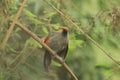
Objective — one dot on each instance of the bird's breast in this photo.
(58, 43)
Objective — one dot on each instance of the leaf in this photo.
(56, 26)
(17, 29)
(45, 30)
(32, 42)
(56, 63)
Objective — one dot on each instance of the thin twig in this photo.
(12, 25)
(40, 41)
(70, 22)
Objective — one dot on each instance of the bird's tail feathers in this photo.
(47, 61)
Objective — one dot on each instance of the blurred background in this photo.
(22, 58)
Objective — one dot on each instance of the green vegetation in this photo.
(22, 58)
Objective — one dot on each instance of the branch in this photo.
(70, 22)
(40, 41)
(12, 25)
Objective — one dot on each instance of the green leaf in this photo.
(56, 63)
(45, 30)
(32, 42)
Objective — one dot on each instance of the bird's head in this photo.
(64, 30)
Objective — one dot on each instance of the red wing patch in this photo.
(47, 40)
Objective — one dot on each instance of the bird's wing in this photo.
(63, 53)
(47, 39)
(47, 56)
(47, 60)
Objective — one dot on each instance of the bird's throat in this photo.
(65, 33)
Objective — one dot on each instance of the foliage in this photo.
(22, 58)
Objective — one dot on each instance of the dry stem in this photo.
(12, 25)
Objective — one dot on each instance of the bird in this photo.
(58, 42)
